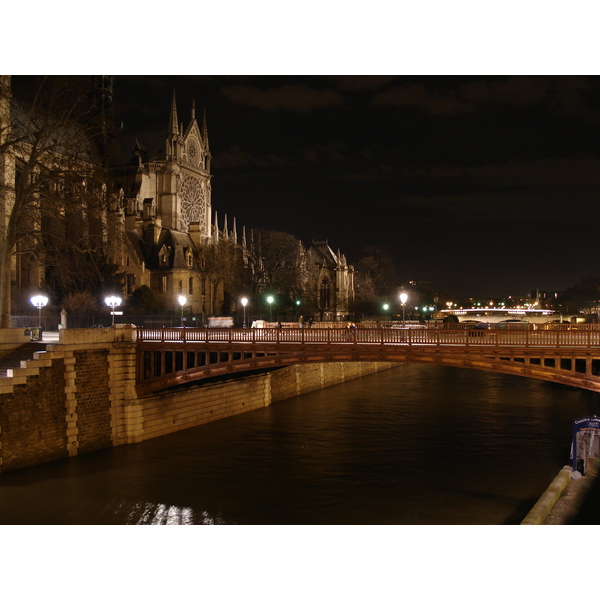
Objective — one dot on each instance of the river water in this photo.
(414, 445)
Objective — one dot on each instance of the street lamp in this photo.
(112, 302)
(403, 299)
(39, 302)
(244, 302)
(182, 301)
(270, 301)
(385, 309)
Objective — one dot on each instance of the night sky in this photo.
(481, 185)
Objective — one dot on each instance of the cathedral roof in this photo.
(320, 253)
(133, 240)
(170, 250)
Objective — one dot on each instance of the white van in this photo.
(220, 321)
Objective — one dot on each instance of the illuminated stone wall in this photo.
(93, 400)
(32, 418)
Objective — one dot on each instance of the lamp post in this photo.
(403, 299)
(39, 302)
(182, 301)
(385, 309)
(244, 302)
(270, 301)
(112, 302)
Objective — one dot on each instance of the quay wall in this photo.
(79, 396)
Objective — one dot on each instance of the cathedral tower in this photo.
(186, 197)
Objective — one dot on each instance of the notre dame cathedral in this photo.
(163, 217)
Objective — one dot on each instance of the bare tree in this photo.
(275, 261)
(221, 264)
(51, 185)
(376, 279)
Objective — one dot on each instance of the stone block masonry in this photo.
(32, 419)
(80, 396)
(93, 400)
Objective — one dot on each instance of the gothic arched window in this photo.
(325, 295)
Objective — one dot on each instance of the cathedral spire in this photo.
(173, 145)
(205, 133)
(173, 121)
(216, 228)
(193, 109)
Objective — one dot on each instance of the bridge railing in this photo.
(437, 336)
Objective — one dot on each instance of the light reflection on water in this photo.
(414, 445)
(160, 514)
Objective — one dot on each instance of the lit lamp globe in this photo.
(112, 302)
(403, 299)
(244, 302)
(39, 302)
(182, 300)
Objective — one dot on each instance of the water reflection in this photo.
(160, 514)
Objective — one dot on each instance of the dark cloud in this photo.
(416, 95)
(564, 95)
(294, 98)
(360, 83)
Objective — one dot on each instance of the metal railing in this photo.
(532, 336)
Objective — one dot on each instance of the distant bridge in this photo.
(565, 354)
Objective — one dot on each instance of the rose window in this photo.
(192, 202)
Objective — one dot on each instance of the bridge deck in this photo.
(171, 356)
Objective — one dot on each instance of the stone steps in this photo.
(16, 357)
